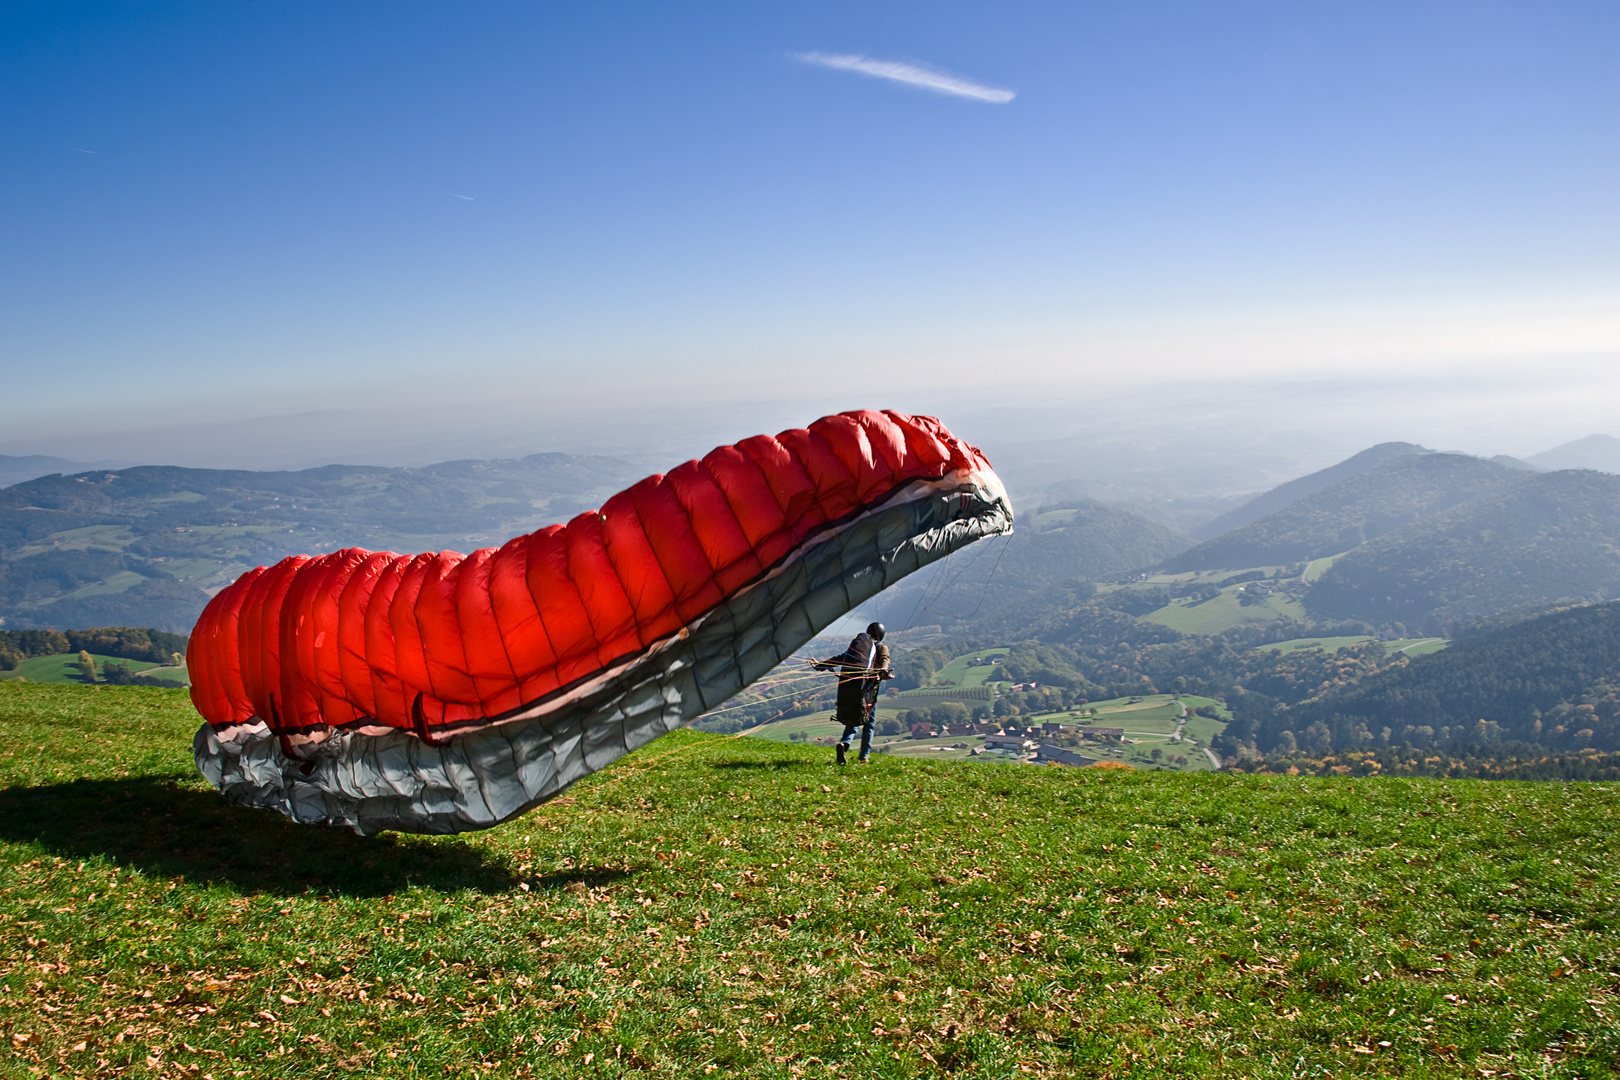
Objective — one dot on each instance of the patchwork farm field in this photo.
(735, 906)
(1155, 722)
(64, 668)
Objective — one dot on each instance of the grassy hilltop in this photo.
(714, 906)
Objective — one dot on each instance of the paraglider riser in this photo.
(479, 779)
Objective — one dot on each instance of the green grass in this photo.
(103, 537)
(64, 668)
(1224, 612)
(716, 907)
(1417, 646)
(959, 673)
(1318, 567)
(123, 581)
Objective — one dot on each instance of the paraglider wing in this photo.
(440, 692)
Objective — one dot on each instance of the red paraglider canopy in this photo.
(440, 645)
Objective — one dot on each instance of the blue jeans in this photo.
(866, 736)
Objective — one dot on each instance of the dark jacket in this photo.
(858, 677)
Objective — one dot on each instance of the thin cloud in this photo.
(910, 74)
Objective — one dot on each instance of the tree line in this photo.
(126, 642)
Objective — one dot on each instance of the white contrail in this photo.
(469, 198)
(910, 74)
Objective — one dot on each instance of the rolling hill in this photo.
(1552, 681)
(1601, 452)
(16, 470)
(1551, 537)
(1285, 495)
(1352, 511)
(1007, 587)
(147, 546)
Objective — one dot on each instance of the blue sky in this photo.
(438, 213)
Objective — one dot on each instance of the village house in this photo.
(1101, 732)
(1057, 755)
(1016, 744)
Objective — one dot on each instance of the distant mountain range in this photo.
(147, 546)
(1420, 540)
(1342, 514)
(15, 470)
(1601, 452)
(1285, 495)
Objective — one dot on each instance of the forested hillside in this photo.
(147, 546)
(1351, 512)
(1550, 538)
(1011, 588)
(1284, 495)
(15, 470)
(1552, 681)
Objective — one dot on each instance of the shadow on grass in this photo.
(762, 765)
(582, 879)
(162, 828)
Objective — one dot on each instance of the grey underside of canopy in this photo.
(473, 781)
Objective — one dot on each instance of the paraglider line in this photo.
(924, 595)
(992, 576)
(978, 557)
(764, 699)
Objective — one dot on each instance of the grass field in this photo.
(1409, 646)
(963, 673)
(1223, 612)
(714, 906)
(1417, 646)
(1318, 567)
(64, 668)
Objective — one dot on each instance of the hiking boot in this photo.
(862, 760)
(843, 748)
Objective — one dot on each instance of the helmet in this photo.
(875, 631)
